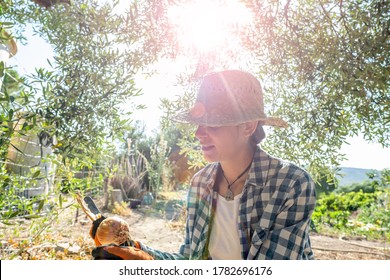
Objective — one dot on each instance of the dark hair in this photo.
(259, 134)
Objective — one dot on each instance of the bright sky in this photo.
(360, 154)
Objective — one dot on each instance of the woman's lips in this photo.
(207, 148)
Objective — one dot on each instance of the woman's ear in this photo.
(249, 128)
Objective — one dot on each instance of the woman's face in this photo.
(221, 143)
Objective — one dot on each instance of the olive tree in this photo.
(98, 49)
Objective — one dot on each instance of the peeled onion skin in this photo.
(113, 230)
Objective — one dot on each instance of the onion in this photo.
(113, 230)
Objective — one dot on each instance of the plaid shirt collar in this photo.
(257, 175)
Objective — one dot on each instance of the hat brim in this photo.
(188, 118)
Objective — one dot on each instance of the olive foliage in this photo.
(98, 49)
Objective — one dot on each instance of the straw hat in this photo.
(229, 98)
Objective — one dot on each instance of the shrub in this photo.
(335, 209)
(378, 213)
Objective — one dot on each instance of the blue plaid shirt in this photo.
(275, 211)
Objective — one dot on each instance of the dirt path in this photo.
(331, 248)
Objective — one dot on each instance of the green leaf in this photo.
(7, 223)
(36, 174)
(41, 204)
(16, 148)
(2, 68)
(60, 200)
(13, 214)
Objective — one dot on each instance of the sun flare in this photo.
(206, 25)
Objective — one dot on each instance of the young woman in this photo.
(245, 204)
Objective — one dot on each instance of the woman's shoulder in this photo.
(202, 182)
(207, 173)
(284, 168)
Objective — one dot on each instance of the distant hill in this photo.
(352, 175)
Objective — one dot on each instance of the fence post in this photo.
(116, 196)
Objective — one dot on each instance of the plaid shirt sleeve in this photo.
(280, 222)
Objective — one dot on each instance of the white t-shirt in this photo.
(224, 241)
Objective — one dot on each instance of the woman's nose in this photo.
(200, 132)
